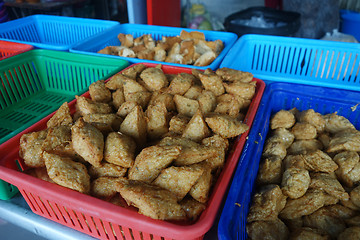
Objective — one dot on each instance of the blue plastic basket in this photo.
(277, 96)
(109, 38)
(297, 60)
(52, 32)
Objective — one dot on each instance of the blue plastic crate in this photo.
(109, 38)
(277, 96)
(52, 32)
(297, 60)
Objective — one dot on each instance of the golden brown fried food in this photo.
(282, 119)
(104, 187)
(88, 142)
(195, 154)
(126, 108)
(207, 101)
(341, 211)
(197, 128)
(241, 89)
(154, 78)
(58, 141)
(67, 173)
(31, 148)
(304, 146)
(126, 40)
(221, 145)
(192, 208)
(107, 170)
(39, 172)
(354, 221)
(179, 180)
(120, 150)
(266, 204)
(134, 91)
(105, 122)
(274, 149)
(270, 230)
(116, 81)
(186, 106)
(318, 161)
(194, 92)
(234, 75)
(313, 118)
(282, 135)
(213, 83)
(325, 221)
(295, 182)
(355, 196)
(151, 160)
(347, 140)
(118, 98)
(181, 83)
(328, 184)
(351, 233)
(201, 189)
(159, 97)
(61, 117)
(133, 71)
(296, 161)
(226, 126)
(270, 171)
(87, 106)
(157, 121)
(335, 123)
(304, 131)
(305, 205)
(152, 201)
(349, 167)
(306, 233)
(99, 93)
(205, 59)
(134, 125)
(178, 123)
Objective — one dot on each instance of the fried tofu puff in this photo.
(213, 83)
(99, 93)
(273, 229)
(347, 140)
(234, 75)
(67, 173)
(192, 208)
(282, 119)
(181, 83)
(152, 201)
(61, 117)
(104, 187)
(226, 126)
(244, 90)
(107, 170)
(120, 150)
(88, 142)
(151, 160)
(186, 106)
(31, 148)
(335, 123)
(58, 141)
(87, 106)
(154, 78)
(179, 180)
(201, 189)
(157, 121)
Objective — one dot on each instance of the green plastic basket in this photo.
(35, 83)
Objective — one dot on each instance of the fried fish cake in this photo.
(152, 201)
(31, 148)
(120, 149)
(88, 142)
(151, 160)
(154, 78)
(192, 208)
(226, 126)
(99, 92)
(282, 119)
(233, 75)
(179, 180)
(87, 106)
(61, 117)
(67, 173)
(107, 170)
(104, 187)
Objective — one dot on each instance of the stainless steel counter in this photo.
(17, 221)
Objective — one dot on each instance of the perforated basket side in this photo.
(21, 31)
(304, 61)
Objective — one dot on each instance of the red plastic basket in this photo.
(8, 49)
(104, 220)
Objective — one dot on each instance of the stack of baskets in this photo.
(300, 73)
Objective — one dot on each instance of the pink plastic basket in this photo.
(8, 49)
(104, 220)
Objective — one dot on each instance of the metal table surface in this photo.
(17, 221)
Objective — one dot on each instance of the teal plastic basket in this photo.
(53, 32)
(35, 83)
(297, 60)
